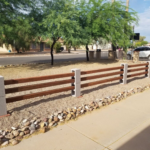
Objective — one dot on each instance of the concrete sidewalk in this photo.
(121, 126)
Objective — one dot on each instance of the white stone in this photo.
(13, 128)
(4, 133)
(86, 107)
(5, 143)
(24, 121)
(82, 111)
(60, 117)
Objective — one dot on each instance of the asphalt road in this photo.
(41, 59)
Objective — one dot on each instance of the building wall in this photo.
(94, 47)
(4, 49)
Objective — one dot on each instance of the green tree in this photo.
(141, 41)
(142, 38)
(103, 19)
(15, 25)
(59, 21)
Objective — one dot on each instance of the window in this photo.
(140, 49)
(148, 48)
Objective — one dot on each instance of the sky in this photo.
(142, 7)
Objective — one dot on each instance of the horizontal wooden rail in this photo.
(137, 74)
(137, 65)
(28, 96)
(101, 70)
(37, 86)
(102, 75)
(139, 69)
(101, 81)
(32, 79)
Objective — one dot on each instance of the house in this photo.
(34, 47)
(4, 49)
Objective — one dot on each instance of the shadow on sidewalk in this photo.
(141, 141)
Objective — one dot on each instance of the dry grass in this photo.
(44, 106)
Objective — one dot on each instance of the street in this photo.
(41, 59)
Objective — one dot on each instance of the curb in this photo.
(38, 55)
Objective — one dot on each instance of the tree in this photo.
(59, 21)
(15, 25)
(142, 38)
(141, 41)
(102, 19)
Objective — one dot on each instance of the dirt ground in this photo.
(46, 105)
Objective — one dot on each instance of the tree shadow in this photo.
(47, 65)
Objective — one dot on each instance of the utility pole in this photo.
(127, 5)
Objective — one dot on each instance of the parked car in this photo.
(144, 52)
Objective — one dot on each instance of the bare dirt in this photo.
(46, 105)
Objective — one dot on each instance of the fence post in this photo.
(77, 84)
(3, 108)
(125, 70)
(148, 75)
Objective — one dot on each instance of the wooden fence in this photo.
(76, 79)
(37, 86)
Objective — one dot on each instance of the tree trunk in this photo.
(87, 53)
(114, 50)
(51, 52)
(69, 50)
(17, 49)
(74, 48)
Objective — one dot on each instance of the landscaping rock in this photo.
(43, 130)
(68, 116)
(9, 136)
(60, 117)
(25, 120)
(27, 124)
(26, 132)
(18, 138)
(15, 133)
(51, 124)
(32, 127)
(26, 136)
(5, 143)
(14, 142)
(24, 129)
(14, 128)
(56, 119)
(42, 124)
(100, 104)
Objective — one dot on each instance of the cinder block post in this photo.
(77, 83)
(124, 75)
(3, 108)
(148, 75)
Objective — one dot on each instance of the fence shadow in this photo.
(86, 91)
(135, 78)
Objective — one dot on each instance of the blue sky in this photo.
(142, 7)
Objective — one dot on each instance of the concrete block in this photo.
(77, 84)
